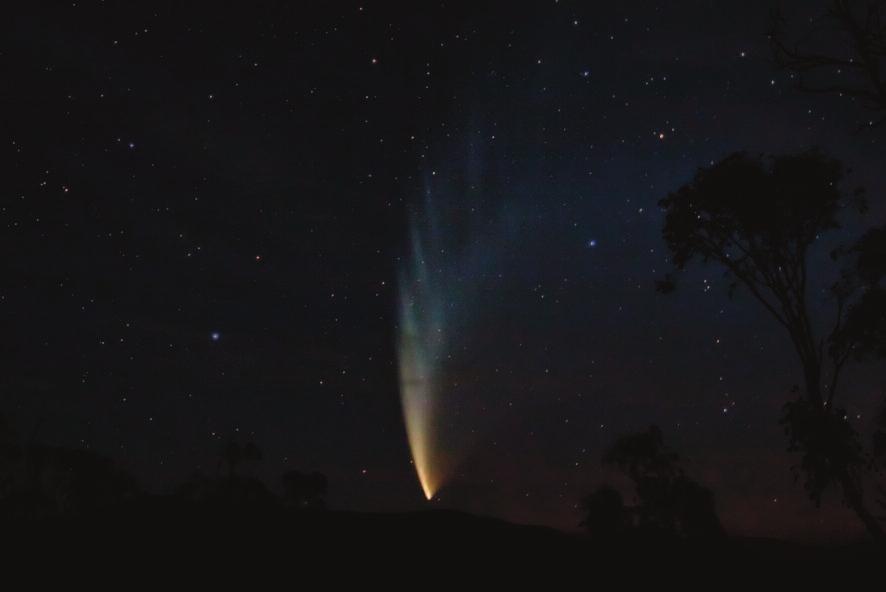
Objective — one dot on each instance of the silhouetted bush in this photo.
(43, 481)
(304, 491)
(669, 503)
(606, 516)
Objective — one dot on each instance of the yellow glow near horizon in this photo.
(419, 444)
(421, 339)
(417, 398)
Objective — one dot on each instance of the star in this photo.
(215, 336)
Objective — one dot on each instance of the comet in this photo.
(456, 236)
(422, 339)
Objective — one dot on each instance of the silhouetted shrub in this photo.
(606, 516)
(304, 491)
(669, 503)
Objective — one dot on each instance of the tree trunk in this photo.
(852, 490)
(854, 499)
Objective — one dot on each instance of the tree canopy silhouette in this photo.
(843, 53)
(233, 453)
(303, 491)
(669, 502)
(39, 481)
(758, 218)
(605, 514)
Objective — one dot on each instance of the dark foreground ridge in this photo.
(161, 525)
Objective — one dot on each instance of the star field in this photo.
(204, 213)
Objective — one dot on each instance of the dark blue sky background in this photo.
(174, 171)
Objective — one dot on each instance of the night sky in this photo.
(207, 211)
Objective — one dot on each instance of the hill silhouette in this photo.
(169, 526)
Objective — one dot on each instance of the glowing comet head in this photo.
(416, 399)
(419, 432)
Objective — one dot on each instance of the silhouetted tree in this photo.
(695, 509)
(230, 489)
(864, 332)
(606, 516)
(863, 335)
(842, 53)
(39, 481)
(304, 491)
(879, 452)
(233, 453)
(758, 218)
(669, 501)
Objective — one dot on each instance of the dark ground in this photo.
(166, 528)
